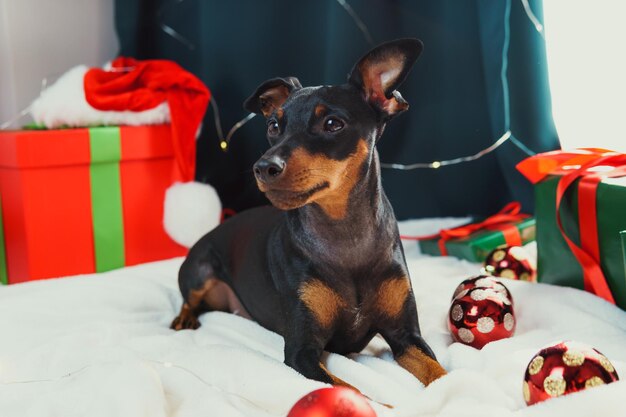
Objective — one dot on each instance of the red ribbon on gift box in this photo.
(500, 221)
(572, 166)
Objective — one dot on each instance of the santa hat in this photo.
(142, 85)
(143, 92)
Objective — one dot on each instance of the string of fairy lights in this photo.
(506, 136)
(225, 140)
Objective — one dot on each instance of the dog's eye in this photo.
(272, 128)
(332, 125)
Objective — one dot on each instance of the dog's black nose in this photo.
(267, 169)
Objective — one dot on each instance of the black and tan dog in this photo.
(324, 267)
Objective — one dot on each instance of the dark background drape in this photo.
(456, 92)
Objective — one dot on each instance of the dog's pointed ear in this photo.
(382, 70)
(271, 95)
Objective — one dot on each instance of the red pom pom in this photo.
(510, 262)
(481, 312)
(565, 368)
(332, 402)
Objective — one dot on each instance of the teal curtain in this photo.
(461, 99)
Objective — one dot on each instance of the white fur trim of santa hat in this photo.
(63, 104)
(191, 210)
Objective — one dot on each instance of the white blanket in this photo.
(100, 345)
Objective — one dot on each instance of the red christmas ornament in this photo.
(479, 315)
(510, 262)
(332, 402)
(481, 281)
(565, 368)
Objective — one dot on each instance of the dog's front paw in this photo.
(185, 320)
(421, 365)
(188, 322)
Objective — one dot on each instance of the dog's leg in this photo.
(195, 303)
(203, 291)
(416, 357)
(411, 351)
(316, 309)
(306, 359)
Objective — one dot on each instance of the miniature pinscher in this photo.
(323, 267)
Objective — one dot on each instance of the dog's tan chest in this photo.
(352, 308)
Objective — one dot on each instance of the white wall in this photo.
(587, 68)
(43, 39)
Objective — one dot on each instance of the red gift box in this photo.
(80, 201)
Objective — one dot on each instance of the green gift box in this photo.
(477, 245)
(556, 264)
(623, 236)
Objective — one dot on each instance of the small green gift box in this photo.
(474, 241)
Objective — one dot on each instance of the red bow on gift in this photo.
(572, 166)
(509, 214)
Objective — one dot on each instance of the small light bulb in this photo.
(436, 164)
(224, 145)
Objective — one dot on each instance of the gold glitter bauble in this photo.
(478, 295)
(526, 390)
(606, 364)
(509, 321)
(594, 381)
(508, 273)
(457, 313)
(503, 297)
(484, 282)
(466, 335)
(498, 255)
(554, 385)
(524, 276)
(458, 291)
(461, 294)
(485, 324)
(535, 365)
(573, 358)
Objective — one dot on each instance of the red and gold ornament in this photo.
(481, 281)
(510, 262)
(564, 368)
(332, 402)
(481, 312)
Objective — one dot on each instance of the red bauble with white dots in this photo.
(479, 315)
(332, 402)
(564, 368)
(510, 262)
(482, 281)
